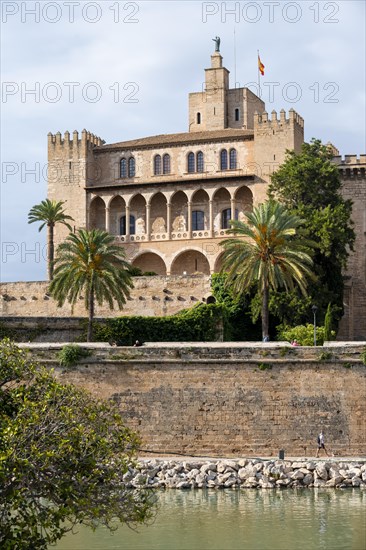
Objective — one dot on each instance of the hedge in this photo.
(202, 323)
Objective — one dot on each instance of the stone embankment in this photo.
(246, 473)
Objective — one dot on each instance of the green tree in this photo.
(89, 263)
(275, 254)
(309, 185)
(63, 458)
(49, 212)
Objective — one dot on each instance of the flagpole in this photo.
(259, 78)
(234, 58)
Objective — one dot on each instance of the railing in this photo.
(175, 236)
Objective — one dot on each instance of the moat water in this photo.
(306, 519)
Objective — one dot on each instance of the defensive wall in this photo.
(237, 399)
(155, 296)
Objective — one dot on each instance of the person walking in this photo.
(321, 444)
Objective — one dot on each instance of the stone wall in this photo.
(155, 296)
(227, 400)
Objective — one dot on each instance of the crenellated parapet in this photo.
(263, 119)
(86, 140)
(351, 166)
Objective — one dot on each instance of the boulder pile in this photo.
(246, 473)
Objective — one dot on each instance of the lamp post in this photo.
(314, 310)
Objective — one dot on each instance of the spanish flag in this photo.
(260, 66)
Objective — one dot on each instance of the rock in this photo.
(333, 472)
(297, 474)
(363, 476)
(298, 465)
(242, 473)
(208, 466)
(321, 471)
(319, 483)
(200, 478)
(251, 482)
(243, 462)
(230, 482)
(354, 472)
(356, 481)
(184, 485)
(211, 475)
(221, 478)
(193, 473)
(308, 479)
(310, 466)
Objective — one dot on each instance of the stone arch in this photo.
(138, 211)
(97, 213)
(200, 203)
(188, 262)
(222, 201)
(158, 214)
(218, 263)
(243, 201)
(150, 261)
(117, 209)
(179, 209)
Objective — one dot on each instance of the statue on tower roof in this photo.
(217, 43)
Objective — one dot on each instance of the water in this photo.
(307, 519)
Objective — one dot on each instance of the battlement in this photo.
(88, 139)
(349, 159)
(262, 119)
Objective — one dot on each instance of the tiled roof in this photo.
(178, 139)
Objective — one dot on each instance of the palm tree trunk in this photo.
(50, 251)
(265, 314)
(89, 337)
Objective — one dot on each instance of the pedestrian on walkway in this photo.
(321, 444)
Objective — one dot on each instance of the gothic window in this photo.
(166, 164)
(232, 159)
(191, 164)
(122, 225)
(199, 161)
(157, 165)
(131, 167)
(123, 168)
(198, 220)
(226, 217)
(198, 118)
(237, 115)
(223, 160)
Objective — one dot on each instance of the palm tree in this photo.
(49, 212)
(275, 254)
(88, 262)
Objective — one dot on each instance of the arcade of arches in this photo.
(171, 231)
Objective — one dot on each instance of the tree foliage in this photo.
(89, 263)
(63, 455)
(274, 254)
(49, 212)
(308, 184)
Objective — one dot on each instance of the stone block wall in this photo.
(156, 296)
(227, 400)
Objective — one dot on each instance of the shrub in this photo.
(201, 323)
(304, 334)
(71, 354)
(363, 357)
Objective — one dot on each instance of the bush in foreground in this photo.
(63, 457)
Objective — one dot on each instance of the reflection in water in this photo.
(304, 519)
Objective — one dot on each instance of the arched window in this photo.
(226, 217)
(198, 118)
(166, 164)
(237, 115)
(223, 160)
(157, 165)
(123, 168)
(191, 165)
(199, 161)
(131, 167)
(198, 220)
(232, 159)
(122, 225)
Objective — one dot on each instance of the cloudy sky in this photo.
(123, 70)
